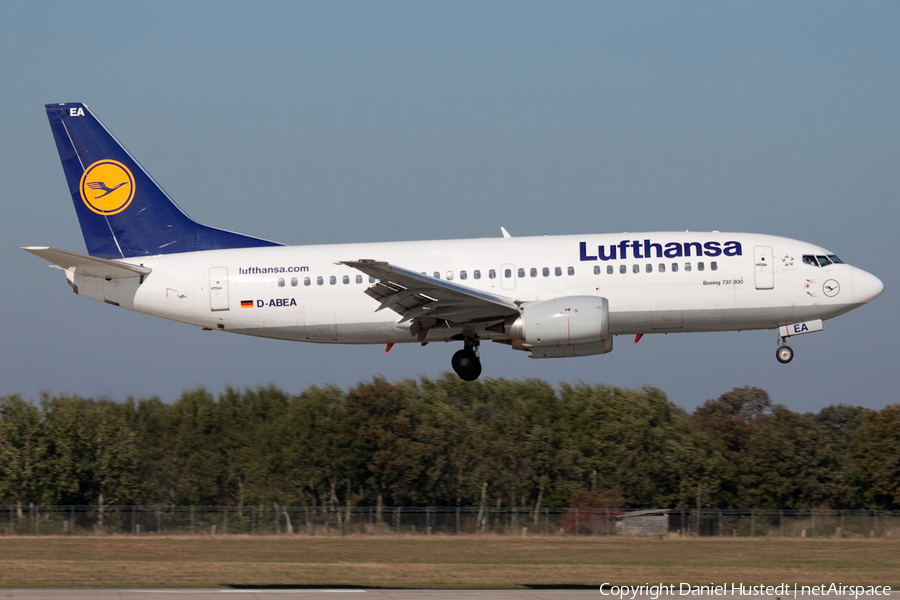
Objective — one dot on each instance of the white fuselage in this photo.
(692, 281)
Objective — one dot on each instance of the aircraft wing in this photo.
(88, 265)
(427, 299)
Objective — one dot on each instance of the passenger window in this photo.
(332, 280)
(492, 274)
(449, 275)
(294, 282)
(463, 275)
(662, 268)
(623, 269)
(596, 269)
(609, 269)
(648, 268)
(371, 280)
(281, 282)
(557, 271)
(359, 279)
(436, 275)
(476, 274)
(700, 266)
(533, 272)
(521, 272)
(507, 273)
(713, 265)
(306, 281)
(545, 272)
(687, 266)
(809, 259)
(675, 267)
(570, 271)
(346, 279)
(319, 280)
(635, 268)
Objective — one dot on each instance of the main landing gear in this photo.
(466, 362)
(783, 353)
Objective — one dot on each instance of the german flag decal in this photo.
(246, 303)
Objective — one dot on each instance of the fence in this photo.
(311, 520)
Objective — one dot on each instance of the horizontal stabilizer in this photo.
(88, 265)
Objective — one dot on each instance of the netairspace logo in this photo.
(739, 589)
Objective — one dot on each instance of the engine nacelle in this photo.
(569, 326)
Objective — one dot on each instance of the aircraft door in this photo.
(320, 328)
(666, 315)
(763, 267)
(508, 277)
(218, 288)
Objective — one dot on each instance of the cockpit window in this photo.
(821, 261)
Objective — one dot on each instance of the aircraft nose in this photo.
(866, 287)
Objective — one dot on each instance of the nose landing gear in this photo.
(466, 362)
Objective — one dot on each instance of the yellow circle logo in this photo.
(107, 187)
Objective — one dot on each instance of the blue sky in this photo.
(346, 121)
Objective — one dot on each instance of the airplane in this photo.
(551, 296)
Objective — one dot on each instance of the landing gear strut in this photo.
(784, 354)
(466, 362)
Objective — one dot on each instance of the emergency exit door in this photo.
(218, 288)
(763, 267)
(508, 277)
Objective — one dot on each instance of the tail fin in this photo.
(122, 211)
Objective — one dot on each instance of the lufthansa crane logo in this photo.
(107, 187)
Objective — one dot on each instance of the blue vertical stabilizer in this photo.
(122, 211)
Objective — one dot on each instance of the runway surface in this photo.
(304, 594)
(359, 594)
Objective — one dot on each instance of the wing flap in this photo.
(88, 265)
(417, 296)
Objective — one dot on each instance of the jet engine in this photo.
(569, 326)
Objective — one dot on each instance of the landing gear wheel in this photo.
(466, 364)
(784, 354)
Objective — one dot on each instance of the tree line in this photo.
(446, 442)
